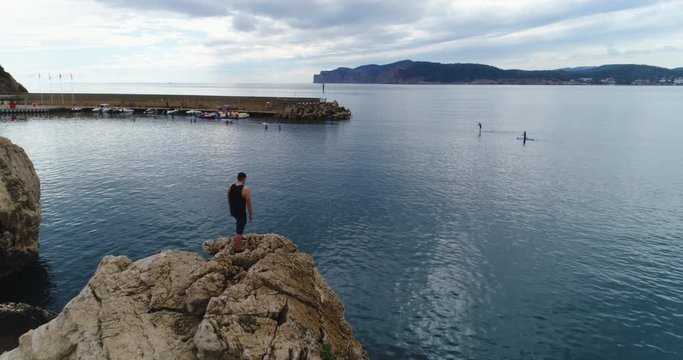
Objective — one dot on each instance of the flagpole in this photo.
(61, 88)
(73, 103)
(52, 99)
(40, 89)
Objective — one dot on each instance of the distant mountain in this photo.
(8, 85)
(422, 72)
(628, 73)
(577, 69)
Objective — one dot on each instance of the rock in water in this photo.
(18, 318)
(268, 302)
(19, 208)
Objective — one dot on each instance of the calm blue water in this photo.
(441, 243)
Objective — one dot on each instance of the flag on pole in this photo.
(38, 76)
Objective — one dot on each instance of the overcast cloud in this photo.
(289, 41)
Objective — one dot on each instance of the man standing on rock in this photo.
(239, 199)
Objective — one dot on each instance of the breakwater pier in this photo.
(288, 108)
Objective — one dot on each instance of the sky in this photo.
(288, 41)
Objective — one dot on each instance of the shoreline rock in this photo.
(316, 112)
(19, 209)
(268, 302)
(18, 318)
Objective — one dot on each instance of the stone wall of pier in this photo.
(293, 108)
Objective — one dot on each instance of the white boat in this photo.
(193, 112)
(172, 112)
(102, 108)
(76, 109)
(151, 112)
(210, 116)
(242, 115)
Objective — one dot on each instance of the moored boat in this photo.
(126, 111)
(102, 108)
(232, 115)
(210, 116)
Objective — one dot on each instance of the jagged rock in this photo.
(8, 85)
(316, 112)
(18, 318)
(19, 208)
(268, 302)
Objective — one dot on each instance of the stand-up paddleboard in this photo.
(527, 139)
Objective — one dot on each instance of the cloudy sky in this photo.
(266, 41)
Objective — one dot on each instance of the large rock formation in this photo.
(19, 208)
(268, 302)
(424, 72)
(8, 85)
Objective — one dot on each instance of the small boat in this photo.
(75, 109)
(102, 108)
(228, 114)
(231, 112)
(210, 116)
(193, 112)
(150, 111)
(172, 112)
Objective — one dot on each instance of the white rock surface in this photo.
(269, 302)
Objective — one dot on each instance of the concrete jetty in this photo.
(291, 108)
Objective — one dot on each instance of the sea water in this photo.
(442, 241)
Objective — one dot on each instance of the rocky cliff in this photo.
(19, 208)
(423, 72)
(268, 302)
(8, 85)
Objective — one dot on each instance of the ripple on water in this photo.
(442, 244)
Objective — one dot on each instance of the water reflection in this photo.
(442, 244)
